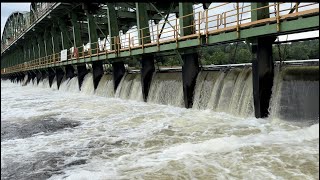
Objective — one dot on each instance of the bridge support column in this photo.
(59, 75)
(33, 76)
(81, 71)
(69, 71)
(190, 70)
(147, 70)
(12, 78)
(21, 77)
(262, 65)
(51, 75)
(97, 72)
(190, 67)
(39, 75)
(118, 71)
(29, 77)
(262, 75)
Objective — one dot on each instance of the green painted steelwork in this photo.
(76, 30)
(55, 39)
(35, 48)
(112, 24)
(260, 13)
(186, 18)
(64, 35)
(92, 28)
(143, 13)
(41, 45)
(142, 22)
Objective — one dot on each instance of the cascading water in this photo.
(130, 87)
(295, 94)
(105, 86)
(25, 79)
(204, 85)
(221, 91)
(44, 83)
(295, 91)
(54, 84)
(48, 134)
(166, 88)
(70, 85)
(87, 84)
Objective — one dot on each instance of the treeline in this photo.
(240, 53)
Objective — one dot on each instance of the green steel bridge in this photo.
(61, 39)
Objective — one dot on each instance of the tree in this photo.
(243, 56)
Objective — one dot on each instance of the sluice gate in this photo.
(56, 45)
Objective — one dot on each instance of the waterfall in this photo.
(105, 86)
(87, 84)
(204, 85)
(295, 94)
(25, 79)
(130, 87)
(221, 91)
(54, 84)
(166, 88)
(44, 83)
(70, 85)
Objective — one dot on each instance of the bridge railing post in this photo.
(206, 26)
(158, 38)
(199, 31)
(238, 34)
(278, 16)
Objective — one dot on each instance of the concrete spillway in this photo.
(295, 91)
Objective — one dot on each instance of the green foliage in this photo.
(240, 53)
(297, 50)
(243, 56)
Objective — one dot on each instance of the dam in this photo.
(83, 95)
(228, 89)
(96, 134)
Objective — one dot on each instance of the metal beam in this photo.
(165, 18)
(142, 22)
(55, 39)
(41, 46)
(76, 31)
(185, 9)
(112, 24)
(92, 28)
(64, 34)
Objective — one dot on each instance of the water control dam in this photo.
(88, 45)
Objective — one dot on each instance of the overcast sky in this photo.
(8, 8)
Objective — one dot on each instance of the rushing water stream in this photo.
(64, 134)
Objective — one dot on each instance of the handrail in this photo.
(203, 24)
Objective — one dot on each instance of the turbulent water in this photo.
(105, 86)
(225, 91)
(65, 134)
(130, 87)
(166, 88)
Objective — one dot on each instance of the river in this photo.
(66, 134)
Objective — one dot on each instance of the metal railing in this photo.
(204, 23)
